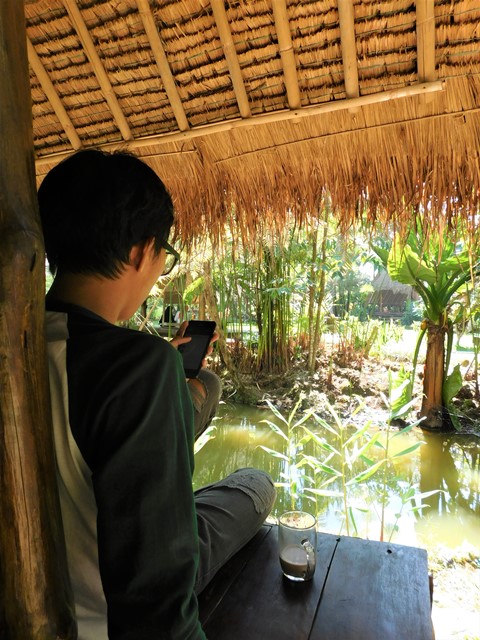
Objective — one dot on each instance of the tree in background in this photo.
(439, 269)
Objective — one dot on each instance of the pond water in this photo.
(448, 466)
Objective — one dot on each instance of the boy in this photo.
(140, 544)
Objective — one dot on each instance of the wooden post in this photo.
(35, 594)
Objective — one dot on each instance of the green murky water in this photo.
(449, 465)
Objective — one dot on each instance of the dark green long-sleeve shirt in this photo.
(123, 423)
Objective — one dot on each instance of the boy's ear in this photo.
(139, 254)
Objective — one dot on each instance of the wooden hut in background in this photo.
(247, 110)
(389, 298)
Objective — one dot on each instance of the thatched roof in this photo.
(383, 282)
(268, 103)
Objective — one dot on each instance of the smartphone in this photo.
(193, 352)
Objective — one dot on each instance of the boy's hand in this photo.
(179, 339)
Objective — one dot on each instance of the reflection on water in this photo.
(448, 466)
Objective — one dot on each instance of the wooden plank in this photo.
(261, 603)
(211, 597)
(375, 590)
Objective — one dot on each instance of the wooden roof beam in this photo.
(52, 96)
(426, 40)
(349, 47)
(268, 118)
(220, 16)
(162, 64)
(107, 89)
(285, 44)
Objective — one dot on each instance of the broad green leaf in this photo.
(407, 267)
(400, 391)
(382, 254)
(193, 290)
(452, 385)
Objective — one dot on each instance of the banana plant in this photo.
(438, 269)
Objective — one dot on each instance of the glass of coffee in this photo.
(297, 542)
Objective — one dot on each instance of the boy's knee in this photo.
(212, 383)
(255, 483)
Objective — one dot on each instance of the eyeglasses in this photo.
(171, 259)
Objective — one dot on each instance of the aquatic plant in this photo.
(348, 462)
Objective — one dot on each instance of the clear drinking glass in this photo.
(297, 543)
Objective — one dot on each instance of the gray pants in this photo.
(231, 511)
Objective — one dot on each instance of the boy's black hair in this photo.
(95, 206)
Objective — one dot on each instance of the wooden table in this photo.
(362, 590)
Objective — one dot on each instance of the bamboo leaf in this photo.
(276, 412)
(364, 475)
(326, 426)
(414, 447)
(427, 494)
(319, 440)
(352, 518)
(358, 434)
(325, 492)
(327, 469)
(294, 411)
(274, 453)
(275, 429)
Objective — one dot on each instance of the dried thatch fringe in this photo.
(382, 161)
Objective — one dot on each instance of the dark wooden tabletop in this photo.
(361, 590)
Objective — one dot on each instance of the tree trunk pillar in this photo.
(432, 403)
(35, 595)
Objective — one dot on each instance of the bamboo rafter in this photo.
(426, 40)
(218, 8)
(286, 52)
(101, 74)
(349, 48)
(53, 96)
(162, 63)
